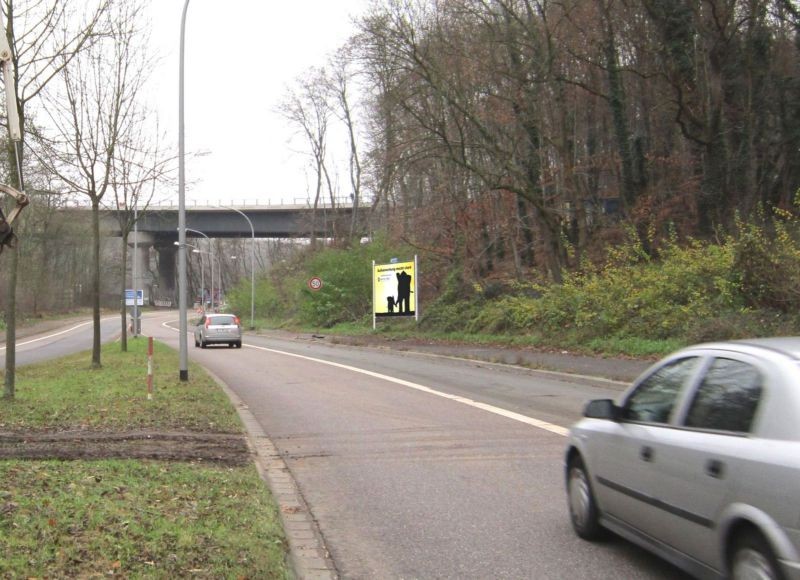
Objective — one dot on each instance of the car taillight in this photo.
(236, 320)
(208, 322)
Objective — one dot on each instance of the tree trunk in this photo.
(551, 246)
(617, 104)
(123, 341)
(523, 219)
(11, 322)
(96, 282)
(9, 388)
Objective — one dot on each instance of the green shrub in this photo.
(283, 296)
(267, 303)
(768, 261)
(450, 317)
(346, 292)
(630, 296)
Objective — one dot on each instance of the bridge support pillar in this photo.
(165, 294)
(141, 258)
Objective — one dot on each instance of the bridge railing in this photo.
(239, 203)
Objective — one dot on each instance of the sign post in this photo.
(135, 298)
(149, 368)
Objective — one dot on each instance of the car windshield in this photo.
(222, 320)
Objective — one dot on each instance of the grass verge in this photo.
(68, 394)
(605, 346)
(130, 518)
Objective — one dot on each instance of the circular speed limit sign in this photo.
(315, 283)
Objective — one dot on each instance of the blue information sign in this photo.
(129, 297)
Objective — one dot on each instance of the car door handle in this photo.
(646, 453)
(715, 468)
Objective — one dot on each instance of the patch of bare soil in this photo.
(219, 448)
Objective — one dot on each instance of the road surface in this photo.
(74, 337)
(424, 467)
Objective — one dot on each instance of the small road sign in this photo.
(134, 295)
(315, 283)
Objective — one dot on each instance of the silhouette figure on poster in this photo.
(390, 303)
(403, 292)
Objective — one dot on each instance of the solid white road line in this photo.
(557, 429)
(50, 335)
(539, 424)
(76, 327)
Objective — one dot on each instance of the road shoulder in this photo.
(309, 557)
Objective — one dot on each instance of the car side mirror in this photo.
(602, 409)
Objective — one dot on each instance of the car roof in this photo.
(788, 346)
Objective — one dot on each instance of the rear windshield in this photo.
(222, 320)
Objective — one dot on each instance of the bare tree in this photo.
(340, 79)
(45, 36)
(92, 111)
(308, 108)
(138, 166)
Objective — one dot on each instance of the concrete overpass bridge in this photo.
(158, 232)
(269, 221)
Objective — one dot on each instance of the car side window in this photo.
(727, 398)
(655, 397)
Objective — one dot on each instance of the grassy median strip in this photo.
(128, 517)
(67, 394)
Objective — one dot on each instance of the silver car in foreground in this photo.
(699, 462)
(218, 329)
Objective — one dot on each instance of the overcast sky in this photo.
(240, 56)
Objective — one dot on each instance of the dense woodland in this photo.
(517, 135)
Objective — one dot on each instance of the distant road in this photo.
(74, 336)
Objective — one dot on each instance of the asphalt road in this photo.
(73, 337)
(424, 467)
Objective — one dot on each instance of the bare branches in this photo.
(53, 33)
(97, 121)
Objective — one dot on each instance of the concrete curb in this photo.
(308, 556)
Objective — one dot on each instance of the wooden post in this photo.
(150, 368)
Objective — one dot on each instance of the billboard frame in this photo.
(375, 315)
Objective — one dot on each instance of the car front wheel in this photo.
(753, 559)
(583, 512)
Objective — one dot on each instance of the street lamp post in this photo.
(202, 281)
(182, 315)
(212, 264)
(202, 274)
(219, 275)
(133, 271)
(252, 266)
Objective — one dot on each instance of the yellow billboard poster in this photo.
(394, 289)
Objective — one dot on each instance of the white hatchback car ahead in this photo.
(218, 329)
(699, 462)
